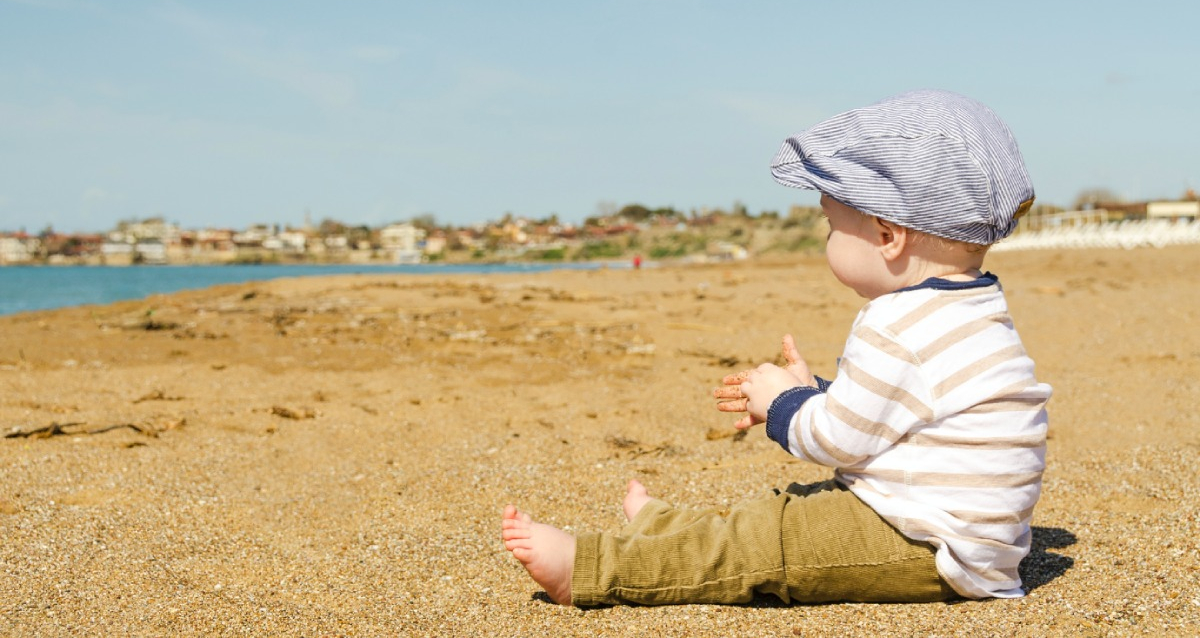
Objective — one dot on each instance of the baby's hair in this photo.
(948, 244)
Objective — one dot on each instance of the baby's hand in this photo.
(732, 399)
(760, 387)
(752, 391)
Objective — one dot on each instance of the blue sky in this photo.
(229, 113)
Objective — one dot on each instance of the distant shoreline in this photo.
(31, 288)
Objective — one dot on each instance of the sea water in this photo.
(25, 288)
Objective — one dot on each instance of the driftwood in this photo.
(727, 361)
(156, 395)
(79, 428)
(294, 414)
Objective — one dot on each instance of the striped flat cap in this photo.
(929, 160)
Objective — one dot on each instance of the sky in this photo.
(225, 114)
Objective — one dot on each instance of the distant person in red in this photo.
(637, 262)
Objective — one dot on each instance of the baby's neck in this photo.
(952, 263)
(956, 274)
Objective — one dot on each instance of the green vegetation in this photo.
(599, 250)
(666, 252)
(549, 254)
(255, 258)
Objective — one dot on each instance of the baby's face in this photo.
(853, 249)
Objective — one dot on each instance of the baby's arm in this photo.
(880, 394)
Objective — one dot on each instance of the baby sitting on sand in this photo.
(935, 424)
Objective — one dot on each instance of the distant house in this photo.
(402, 243)
(209, 245)
(435, 244)
(1173, 210)
(150, 251)
(18, 248)
(338, 243)
(253, 236)
(214, 239)
(154, 228)
(293, 241)
(117, 250)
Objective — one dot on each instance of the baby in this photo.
(935, 425)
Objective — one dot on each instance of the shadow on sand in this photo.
(1041, 566)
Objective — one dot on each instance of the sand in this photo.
(330, 456)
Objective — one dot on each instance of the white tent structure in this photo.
(1123, 234)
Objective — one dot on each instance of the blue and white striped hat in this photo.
(933, 161)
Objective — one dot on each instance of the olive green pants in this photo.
(814, 543)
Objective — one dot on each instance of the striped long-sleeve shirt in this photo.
(935, 421)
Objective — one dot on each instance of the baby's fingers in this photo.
(737, 405)
(728, 392)
(736, 379)
(790, 353)
(744, 422)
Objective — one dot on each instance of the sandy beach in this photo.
(330, 456)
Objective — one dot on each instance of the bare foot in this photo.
(548, 553)
(635, 498)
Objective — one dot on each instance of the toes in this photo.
(523, 554)
(510, 533)
(511, 513)
(515, 545)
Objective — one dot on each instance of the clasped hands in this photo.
(752, 391)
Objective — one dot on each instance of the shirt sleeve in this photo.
(783, 408)
(861, 413)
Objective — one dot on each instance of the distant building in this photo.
(208, 245)
(154, 228)
(293, 241)
(253, 236)
(214, 239)
(402, 243)
(1173, 210)
(18, 248)
(436, 243)
(150, 251)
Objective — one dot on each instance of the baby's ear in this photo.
(892, 238)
